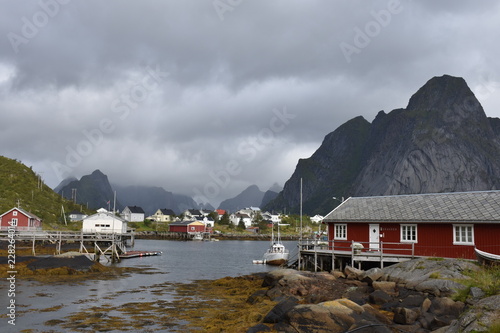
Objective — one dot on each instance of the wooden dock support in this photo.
(314, 256)
(113, 242)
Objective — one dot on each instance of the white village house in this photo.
(235, 219)
(133, 214)
(105, 222)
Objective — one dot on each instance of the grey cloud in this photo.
(69, 84)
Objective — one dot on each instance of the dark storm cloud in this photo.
(188, 94)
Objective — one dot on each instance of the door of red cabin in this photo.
(374, 237)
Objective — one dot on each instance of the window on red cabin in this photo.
(340, 231)
(463, 234)
(408, 233)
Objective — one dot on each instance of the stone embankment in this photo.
(414, 296)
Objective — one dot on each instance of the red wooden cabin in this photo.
(20, 219)
(448, 225)
(187, 227)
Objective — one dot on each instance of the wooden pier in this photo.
(108, 245)
(329, 255)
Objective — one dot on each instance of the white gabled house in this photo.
(274, 218)
(317, 218)
(133, 214)
(163, 215)
(104, 222)
(235, 219)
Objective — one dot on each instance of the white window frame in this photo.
(340, 231)
(404, 233)
(14, 213)
(463, 237)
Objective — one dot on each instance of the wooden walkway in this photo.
(108, 245)
(315, 255)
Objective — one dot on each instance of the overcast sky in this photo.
(205, 98)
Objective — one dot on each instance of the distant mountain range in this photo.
(252, 196)
(152, 198)
(441, 142)
(95, 191)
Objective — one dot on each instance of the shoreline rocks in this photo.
(414, 296)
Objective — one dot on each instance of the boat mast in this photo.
(301, 209)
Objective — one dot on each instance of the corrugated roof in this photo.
(480, 206)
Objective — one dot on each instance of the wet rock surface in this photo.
(413, 296)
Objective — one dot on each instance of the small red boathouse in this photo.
(20, 220)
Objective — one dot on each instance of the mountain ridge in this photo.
(441, 142)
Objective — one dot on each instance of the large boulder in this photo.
(278, 312)
(334, 316)
(479, 318)
(306, 286)
(434, 276)
(405, 316)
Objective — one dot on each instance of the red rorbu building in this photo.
(20, 220)
(187, 227)
(448, 225)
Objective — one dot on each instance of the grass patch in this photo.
(436, 259)
(487, 279)
(495, 328)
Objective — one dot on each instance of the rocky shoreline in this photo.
(414, 296)
(421, 295)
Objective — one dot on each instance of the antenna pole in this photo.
(299, 261)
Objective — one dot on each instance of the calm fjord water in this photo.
(181, 262)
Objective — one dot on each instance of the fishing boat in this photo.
(487, 258)
(277, 254)
(198, 236)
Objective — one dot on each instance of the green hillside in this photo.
(18, 182)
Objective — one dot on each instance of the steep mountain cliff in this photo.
(441, 142)
(91, 190)
(271, 194)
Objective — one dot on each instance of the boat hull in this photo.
(487, 258)
(275, 259)
(276, 262)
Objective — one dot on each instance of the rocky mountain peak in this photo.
(441, 142)
(441, 93)
(451, 98)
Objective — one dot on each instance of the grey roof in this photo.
(480, 206)
(135, 209)
(166, 211)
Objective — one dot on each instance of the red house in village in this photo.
(188, 227)
(22, 220)
(448, 225)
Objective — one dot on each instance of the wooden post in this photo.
(300, 255)
(381, 254)
(315, 257)
(333, 255)
(34, 244)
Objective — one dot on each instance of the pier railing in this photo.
(357, 251)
